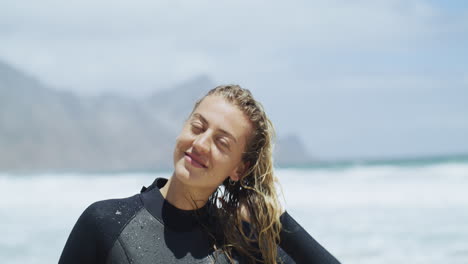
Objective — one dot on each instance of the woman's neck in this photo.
(182, 196)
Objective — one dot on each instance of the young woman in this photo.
(219, 206)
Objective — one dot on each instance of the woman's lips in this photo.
(194, 161)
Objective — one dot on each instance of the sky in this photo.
(353, 78)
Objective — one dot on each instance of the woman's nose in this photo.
(202, 144)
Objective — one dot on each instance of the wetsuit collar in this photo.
(171, 216)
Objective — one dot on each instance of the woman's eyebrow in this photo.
(202, 119)
(205, 122)
(228, 135)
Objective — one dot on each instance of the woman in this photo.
(219, 206)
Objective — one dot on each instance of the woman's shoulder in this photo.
(112, 210)
(97, 229)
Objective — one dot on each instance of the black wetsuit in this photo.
(145, 228)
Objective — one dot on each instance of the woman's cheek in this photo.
(184, 141)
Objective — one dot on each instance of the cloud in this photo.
(114, 45)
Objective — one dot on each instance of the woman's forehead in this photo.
(221, 114)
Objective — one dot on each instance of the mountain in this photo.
(173, 105)
(42, 129)
(290, 151)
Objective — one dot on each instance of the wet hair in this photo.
(253, 198)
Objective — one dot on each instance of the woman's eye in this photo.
(196, 128)
(223, 143)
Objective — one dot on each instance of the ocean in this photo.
(412, 211)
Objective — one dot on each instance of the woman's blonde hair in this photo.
(254, 195)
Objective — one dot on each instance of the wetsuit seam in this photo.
(155, 217)
(123, 249)
(122, 229)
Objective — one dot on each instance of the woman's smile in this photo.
(194, 160)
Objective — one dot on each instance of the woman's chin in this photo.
(186, 173)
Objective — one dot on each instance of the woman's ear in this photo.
(235, 176)
(239, 171)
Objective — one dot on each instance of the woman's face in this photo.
(210, 147)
